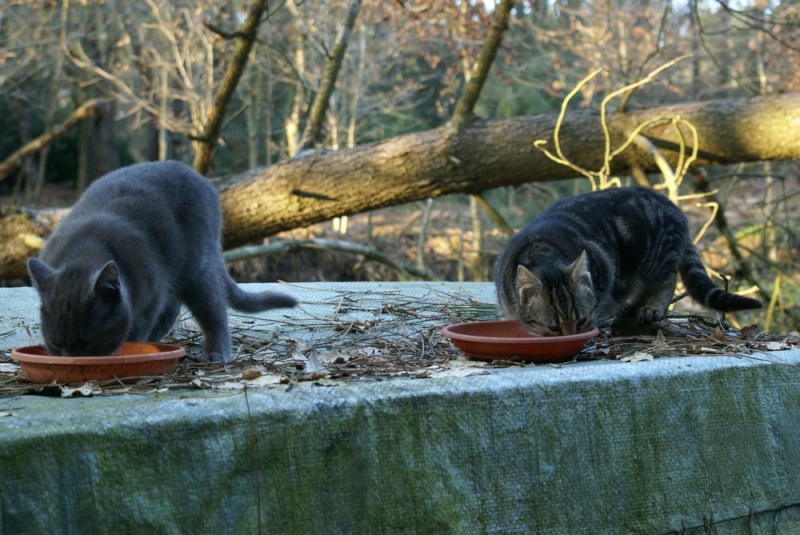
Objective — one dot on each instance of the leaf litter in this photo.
(382, 336)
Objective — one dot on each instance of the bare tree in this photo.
(333, 64)
(245, 37)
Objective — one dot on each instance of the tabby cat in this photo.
(602, 256)
(139, 242)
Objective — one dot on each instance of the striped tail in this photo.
(704, 291)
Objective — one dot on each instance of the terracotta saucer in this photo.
(505, 340)
(134, 359)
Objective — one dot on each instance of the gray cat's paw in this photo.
(649, 315)
(216, 356)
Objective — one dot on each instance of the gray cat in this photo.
(139, 242)
(602, 256)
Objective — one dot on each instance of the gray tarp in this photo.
(596, 447)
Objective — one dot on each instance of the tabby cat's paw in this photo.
(649, 315)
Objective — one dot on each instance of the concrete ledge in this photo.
(598, 447)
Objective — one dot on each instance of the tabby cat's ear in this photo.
(526, 278)
(106, 281)
(528, 284)
(41, 274)
(579, 271)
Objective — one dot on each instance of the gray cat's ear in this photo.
(528, 284)
(579, 271)
(106, 281)
(41, 274)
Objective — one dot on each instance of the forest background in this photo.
(335, 85)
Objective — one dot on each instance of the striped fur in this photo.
(601, 256)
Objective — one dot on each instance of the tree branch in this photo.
(245, 39)
(475, 82)
(333, 64)
(466, 104)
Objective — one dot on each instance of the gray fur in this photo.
(139, 242)
(602, 256)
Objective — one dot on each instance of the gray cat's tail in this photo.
(703, 289)
(257, 302)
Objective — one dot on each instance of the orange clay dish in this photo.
(505, 340)
(134, 359)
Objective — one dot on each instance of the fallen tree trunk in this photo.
(490, 154)
(480, 156)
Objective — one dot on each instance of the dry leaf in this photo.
(460, 368)
(660, 340)
(749, 332)
(267, 380)
(314, 364)
(297, 351)
(332, 357)
(719, 334)
(250, 374)
(459, 372)
(774, 346)
(261, 380)
(639, 356)
(363, 351)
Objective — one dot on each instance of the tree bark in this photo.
(490, 154)
(98, 150)
(483, 155)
